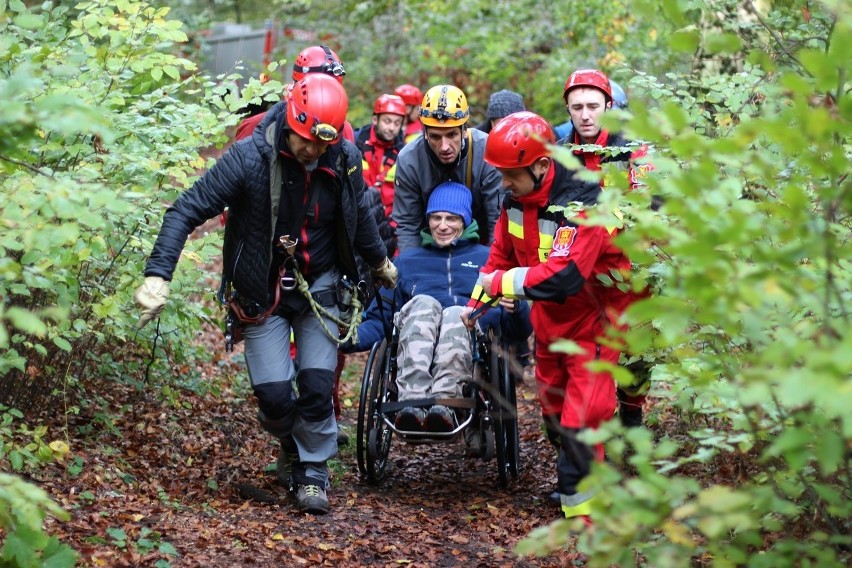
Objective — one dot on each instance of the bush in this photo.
(750, 321)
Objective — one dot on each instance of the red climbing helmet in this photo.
(410, 94)
(588, 78)
(316, 108)
(318, 59)
(518, 141)
(389, 104)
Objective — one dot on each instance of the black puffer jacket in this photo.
(248, 179)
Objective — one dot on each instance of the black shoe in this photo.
(555, 497)
(410, 419)
(630, 415)
(288, 455)
(342, 437)
(440, 419)
(473, 441)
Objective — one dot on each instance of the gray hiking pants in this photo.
(308, 411)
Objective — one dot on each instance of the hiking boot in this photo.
(410, 419)
(440, 419)
(342, 437)
(288, 454)
(312, 499)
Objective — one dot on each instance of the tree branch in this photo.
(24, 165)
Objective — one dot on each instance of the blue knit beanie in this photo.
(451, 197)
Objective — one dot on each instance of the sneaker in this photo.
(440, 419)
(288, 454)
(312, 499)
(410, 419)
(342, 437)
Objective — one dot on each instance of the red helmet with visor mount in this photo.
(316, 108)
(318, 59)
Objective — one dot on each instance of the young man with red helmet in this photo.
(447, 151)
(542, 253)
(412, 97)
(313, 59)
(380, 143)
(588, 94)
(297, 214)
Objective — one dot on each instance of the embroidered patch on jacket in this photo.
(638, 173)
(562, 241)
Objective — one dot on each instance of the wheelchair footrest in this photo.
(461, 403)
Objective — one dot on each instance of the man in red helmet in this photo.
(319, 59)
(380, 143)
(544, 253)
(297, 216)
(313, 59)
(587, 95)
(411, 96)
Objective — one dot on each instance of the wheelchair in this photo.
(489, 401)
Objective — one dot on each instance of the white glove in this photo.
(386, 274)
(151, 296)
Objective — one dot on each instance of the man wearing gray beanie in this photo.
(500, 105)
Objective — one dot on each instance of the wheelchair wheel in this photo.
(510, 422)
(378, 433)
(504, 401)
(362, 432)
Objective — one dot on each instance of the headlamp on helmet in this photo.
(317, 108)
(318, 59)
(444, 106)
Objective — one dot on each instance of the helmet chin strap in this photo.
(536, 179)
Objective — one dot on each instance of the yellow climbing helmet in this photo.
(444, 106)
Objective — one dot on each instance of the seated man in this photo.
(436, 280)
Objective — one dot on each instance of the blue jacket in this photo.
(447, 274)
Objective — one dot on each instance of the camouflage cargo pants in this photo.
(434, 349)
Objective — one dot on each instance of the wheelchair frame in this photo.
(490, 397)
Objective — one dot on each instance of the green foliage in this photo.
(749, 321)
(23, 508)
(103, 124)
(32, 451)
(525, 45)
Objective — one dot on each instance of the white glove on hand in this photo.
(386, 274)
(151, 296)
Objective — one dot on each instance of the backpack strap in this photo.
(468, 177)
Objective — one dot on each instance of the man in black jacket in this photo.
(295, 194)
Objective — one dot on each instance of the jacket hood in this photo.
(470, 233)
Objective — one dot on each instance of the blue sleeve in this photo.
(514, 327)
(376, 321)
(517, 327)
